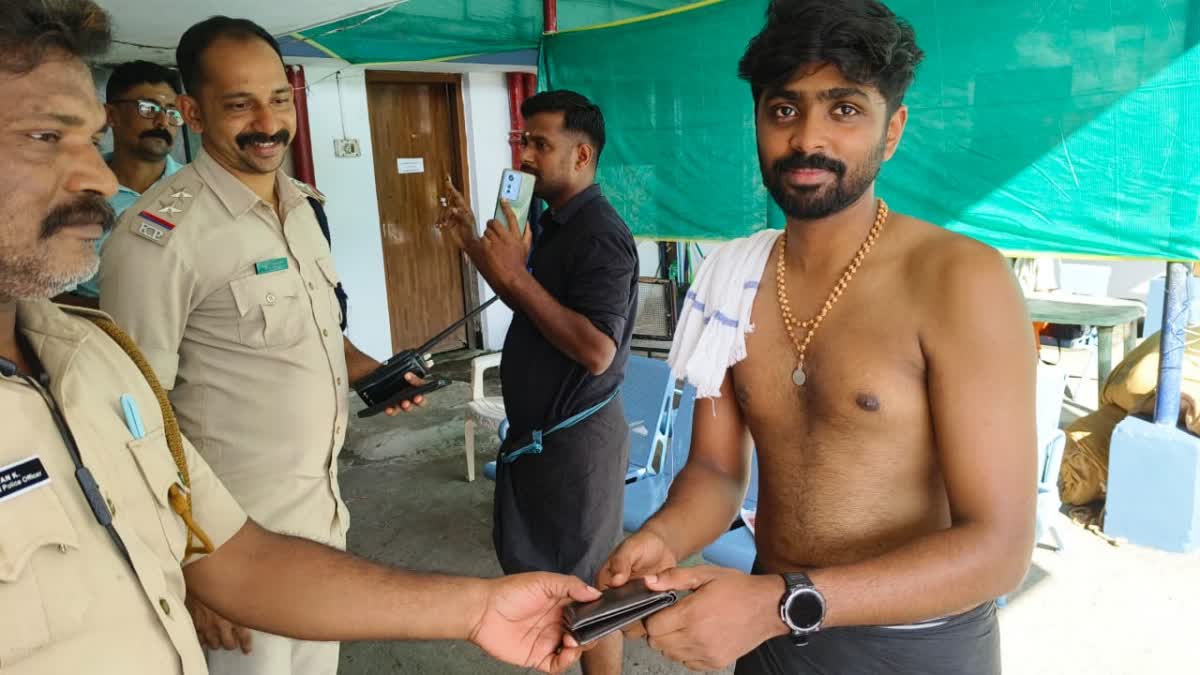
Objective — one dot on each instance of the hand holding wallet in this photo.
(616, 608)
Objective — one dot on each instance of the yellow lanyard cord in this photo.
(180, 495)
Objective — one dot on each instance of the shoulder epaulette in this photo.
(162, 207)
(308, 190)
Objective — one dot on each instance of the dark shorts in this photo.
(965, 644)
(561, 511)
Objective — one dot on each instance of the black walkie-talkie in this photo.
(387, 387)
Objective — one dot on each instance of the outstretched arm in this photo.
(301, 589)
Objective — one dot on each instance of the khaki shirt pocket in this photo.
(270, 312)
(329, 273)
(158, 468)
(43, 595)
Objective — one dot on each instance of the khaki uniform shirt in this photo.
(236, 311)
(69, 602)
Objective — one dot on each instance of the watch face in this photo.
(805, 609)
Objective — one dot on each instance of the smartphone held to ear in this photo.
(516, 188)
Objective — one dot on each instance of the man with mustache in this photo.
(144, 120)
(558, 507)
(887, 388)
(222, 275)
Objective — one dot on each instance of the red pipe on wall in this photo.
(523, 85)
(516, 96)
(302, 159)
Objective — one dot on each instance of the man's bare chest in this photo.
(864, 371)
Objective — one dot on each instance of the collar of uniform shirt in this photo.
(37, 320)
(237, 198)
(233, 194)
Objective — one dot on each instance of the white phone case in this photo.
(517, 188)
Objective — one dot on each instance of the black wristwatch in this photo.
(802, 607)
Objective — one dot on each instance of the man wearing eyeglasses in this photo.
(144, 119)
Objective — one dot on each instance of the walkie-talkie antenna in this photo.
(433, 342)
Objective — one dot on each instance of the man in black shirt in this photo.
(560, 480)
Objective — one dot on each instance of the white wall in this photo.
(353, 206)
(647, 258)
(485, 99)
(1131, 278)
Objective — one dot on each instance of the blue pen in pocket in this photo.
(133, 419)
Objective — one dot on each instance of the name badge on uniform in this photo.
(152, 227)
(268, 266)
(19, 478)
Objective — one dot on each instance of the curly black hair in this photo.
(33, 30)
(862, 38)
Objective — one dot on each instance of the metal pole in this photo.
(1176, 313)
(550, 14)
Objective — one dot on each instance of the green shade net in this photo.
(1068, 126)
(582, 13)
(421, 30)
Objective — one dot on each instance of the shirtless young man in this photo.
(899, 477)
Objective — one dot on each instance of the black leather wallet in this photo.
(616, 608)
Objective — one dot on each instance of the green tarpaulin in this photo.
(1068, 126)
(1057, 126)
(421, 30)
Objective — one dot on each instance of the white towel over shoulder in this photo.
(711, 334)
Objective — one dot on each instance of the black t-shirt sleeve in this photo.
(602, 276)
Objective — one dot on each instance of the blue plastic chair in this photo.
(1052, 441)
(1051, 382)
(647, 396)
(1049, 503)
(1048, 500)
(644, 498)
(736, 548)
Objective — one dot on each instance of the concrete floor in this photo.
(1092, 609)
(420, 513)
(404, 480)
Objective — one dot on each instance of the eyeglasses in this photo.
(152, 109)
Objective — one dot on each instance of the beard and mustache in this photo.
(35, 272)
(820, 201)
(90, 209)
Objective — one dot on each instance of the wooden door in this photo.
(418, 137)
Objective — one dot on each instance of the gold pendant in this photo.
(798, 376)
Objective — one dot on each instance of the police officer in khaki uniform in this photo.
(223, 277)
(96, 524)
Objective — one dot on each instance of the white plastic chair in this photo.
(483, 411)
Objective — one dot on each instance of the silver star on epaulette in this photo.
(182, 194)
(170, 210)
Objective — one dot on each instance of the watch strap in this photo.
(794, 581)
